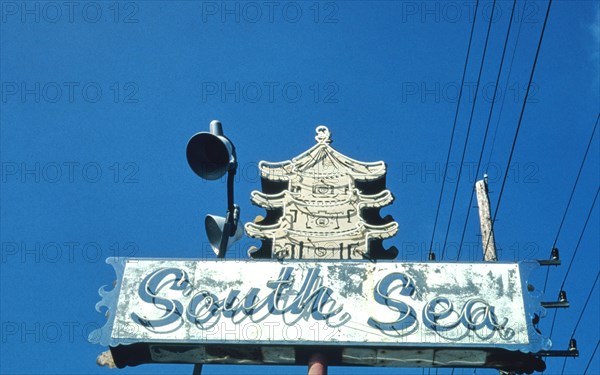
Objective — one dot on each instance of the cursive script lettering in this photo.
(382, 296)
(149, 291)
(175, 299)
(205, 308)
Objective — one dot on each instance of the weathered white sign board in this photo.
(351, 304)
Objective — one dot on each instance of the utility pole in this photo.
(487, 229)
(485, 219)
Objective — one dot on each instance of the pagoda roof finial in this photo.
(323, 134)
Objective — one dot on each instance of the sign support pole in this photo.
(317, 364)
(485, 219)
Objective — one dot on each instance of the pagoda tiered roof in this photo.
(317, 209)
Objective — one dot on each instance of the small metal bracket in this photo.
(562, 302)
(571, 352)
(559, 353)
(549, 262)
(554, 259)
(556, 305)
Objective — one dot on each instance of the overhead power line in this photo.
(580, 237)
(437, 213)
(576, 180)
(512, 60)
(571, 195)
(514, 143)
(487, 126)
(575, 252)
(591, 358)
(587, 300)
(462, 160)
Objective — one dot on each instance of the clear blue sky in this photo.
(99, 100)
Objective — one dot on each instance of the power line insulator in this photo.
(431, 256)
(572, 345)
(562, 296)
(554, 254)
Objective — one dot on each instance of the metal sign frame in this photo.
(367, 313)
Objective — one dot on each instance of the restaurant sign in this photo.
(322, 281)
(356, 306)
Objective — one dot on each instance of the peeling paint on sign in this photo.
(314, 303)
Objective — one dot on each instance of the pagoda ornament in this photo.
(322, 205)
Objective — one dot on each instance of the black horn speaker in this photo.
(210, 155)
